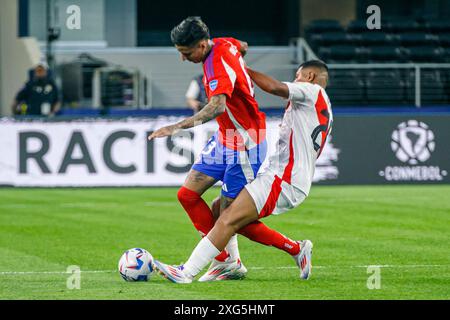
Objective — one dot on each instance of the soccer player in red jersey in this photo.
(235, 153)
(285, 183)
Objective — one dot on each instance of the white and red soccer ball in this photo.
(136, 265)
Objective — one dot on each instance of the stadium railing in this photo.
(382, 84)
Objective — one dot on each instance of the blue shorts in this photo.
(234, 168)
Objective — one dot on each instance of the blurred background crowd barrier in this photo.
(116, 70)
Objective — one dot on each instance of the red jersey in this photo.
(242, 126)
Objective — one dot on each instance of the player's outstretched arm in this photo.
(215, 107)
(269, 84)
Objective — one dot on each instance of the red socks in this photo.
(199, 213)
(197, 209)
(259, 232)
(202, 218)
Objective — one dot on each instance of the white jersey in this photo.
(306, 124)
(286, 181)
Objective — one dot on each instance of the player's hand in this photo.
(164, 132)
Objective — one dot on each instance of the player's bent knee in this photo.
(225, 224)
(229, 221)
(187, 196)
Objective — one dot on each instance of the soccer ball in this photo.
(136, 265)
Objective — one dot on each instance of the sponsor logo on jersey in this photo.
(213, 84)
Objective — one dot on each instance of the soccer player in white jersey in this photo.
(286, 182)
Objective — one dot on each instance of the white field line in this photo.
(250, 268)
(406, 266)
(7, 273)
(86, 204)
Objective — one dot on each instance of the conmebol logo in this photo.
(412, 142)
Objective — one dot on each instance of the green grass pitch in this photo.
(403, 229)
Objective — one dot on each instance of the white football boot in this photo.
(303, 259)
(172, 273)
(228, 270)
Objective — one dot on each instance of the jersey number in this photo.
(210, 147)
(321, 128)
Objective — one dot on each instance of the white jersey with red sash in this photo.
(306, 124)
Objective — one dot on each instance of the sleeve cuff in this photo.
(291, 89)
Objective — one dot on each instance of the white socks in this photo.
(232, 248)
(203, 254)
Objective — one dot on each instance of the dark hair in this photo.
(316, 64)
(190, 31)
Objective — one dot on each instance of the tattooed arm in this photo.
(215, 107)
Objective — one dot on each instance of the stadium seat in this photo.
(328, 38)
(324, 26)
(418, 39)
(384, 54)
(446, 55)
(438, 26)
(400, 26)
(424, 54)
(385, 87)
(399, 41)
(323, 53)
(375, 38)
(410, 87)
(346, 53)
(346, 88)
(433, 87)
(357, 26)
(444, 40)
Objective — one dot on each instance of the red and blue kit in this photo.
(234, 154)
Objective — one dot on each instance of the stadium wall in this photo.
(380, 149)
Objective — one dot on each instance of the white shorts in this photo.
(272, 195)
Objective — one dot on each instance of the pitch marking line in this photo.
(85, 204)
(51, 272)
(251, 268)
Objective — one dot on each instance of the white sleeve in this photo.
(193, 90)
(297, 91)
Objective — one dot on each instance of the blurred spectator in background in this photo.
(196, 97)
(39, 96)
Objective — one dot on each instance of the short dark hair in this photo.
(189, 32)
(316, 64)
